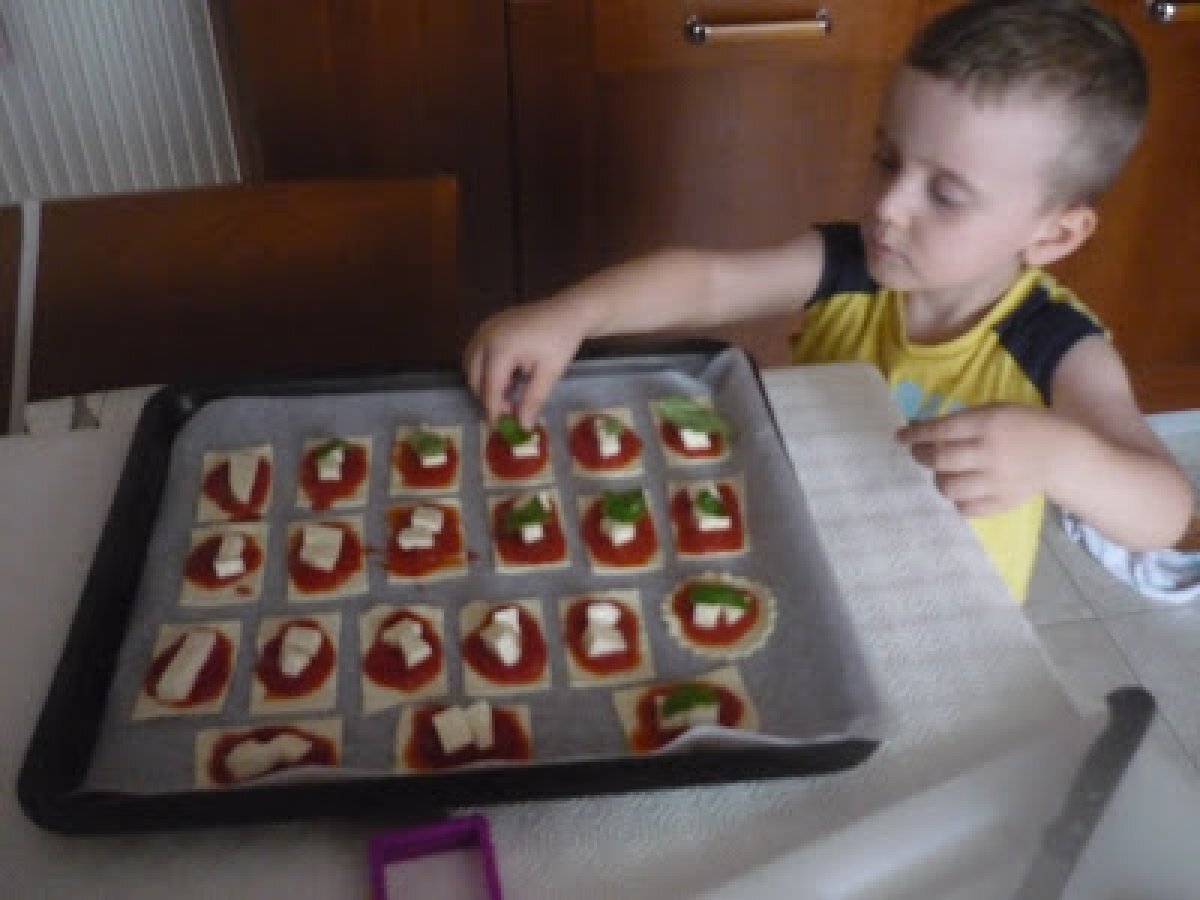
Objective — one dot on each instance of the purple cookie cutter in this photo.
(459, 833)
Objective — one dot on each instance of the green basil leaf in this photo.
(530, 512)
(611, 425)
(624, 506)
(719, 594)
(330, 447)
(687, 696)
(426, 443)
(710, 504)
(684, 412)
(511, 431)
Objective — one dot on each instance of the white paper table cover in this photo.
(958, 664)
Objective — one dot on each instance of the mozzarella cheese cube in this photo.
(694, 440)
(179, 677)
(300, 644)
(415, 538)
(706, 615)
(618, 532)
(509, 616)
(453, 730)
(329, 464)
(407, 637)
(603, 640)
(608, 444)
(435, 459)
(243, 470)
(701, 714)
(431, 518)
(251, 758)
(320, 546)
(503, 641)
(228, 561)
(479, 718)
(527, 449)
(731, 614)
(601, 612)
(532, 532)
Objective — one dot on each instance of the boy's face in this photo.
(961, 189)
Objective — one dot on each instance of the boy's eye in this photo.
(944, 195)
(885, 162)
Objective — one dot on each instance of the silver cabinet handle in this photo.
(1161, 11)
(695, 31)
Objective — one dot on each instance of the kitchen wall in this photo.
(101, 96)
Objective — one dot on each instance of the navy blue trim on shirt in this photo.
(1038, 334)
(845, 267)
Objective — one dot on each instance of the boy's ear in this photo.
(1061, 234)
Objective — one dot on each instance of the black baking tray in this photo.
(56, 763)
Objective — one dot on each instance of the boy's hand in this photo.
(985, 459)
(517, 355)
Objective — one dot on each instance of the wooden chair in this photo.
(231, 282)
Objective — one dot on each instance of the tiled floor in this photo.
(1101, 634)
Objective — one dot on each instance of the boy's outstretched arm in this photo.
(532, 343)
(1092, 453)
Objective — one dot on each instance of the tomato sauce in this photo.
(585, 447)
(647, 735)
(278, 684)
(636, 552)
(310, 579)
(200, 565)
(503, 464)
(529, 667)
(446, 552)
(670, 436)
(321, 751)
(414, 475)
(210, 681)
(575, 624)
(385, 665)
(216, 488)
(322, 494)
(424, 749)
(721, 634)
(689, 537)
(514, 551)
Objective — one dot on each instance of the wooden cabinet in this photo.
(340, 88)
(630, 137)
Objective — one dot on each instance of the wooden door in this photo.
(344, 88)
(629, 137)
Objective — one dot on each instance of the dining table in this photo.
(978, 745)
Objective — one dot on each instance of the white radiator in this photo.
(103, 96)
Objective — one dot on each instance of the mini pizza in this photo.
(235, 485)
(618, 532)
(503, 648)
(190, 670)
(513, 455)
(403, 656)
(425, 460)
(334, 473)
(425, 542)
(296, 666)
(720, 616)
(653, 716)
(326, 559)
(527, 532)
(224, 565)
(605, 638)
(436, 736)
(708, 518)
(226, 757)
(691, 431)
(603, 443)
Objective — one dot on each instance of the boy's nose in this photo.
(891, 202)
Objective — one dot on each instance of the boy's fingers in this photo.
(945, 428)
(537, 390)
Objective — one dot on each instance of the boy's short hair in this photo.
(1057, 49)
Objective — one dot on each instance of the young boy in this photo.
(1005, 122)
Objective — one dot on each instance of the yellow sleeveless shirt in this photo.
(1007, 357)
